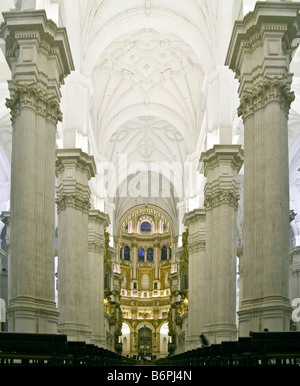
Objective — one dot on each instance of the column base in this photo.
(75, 332)
(220, 332)
(273, 313)
(29, 315)
(193, 342)
(98, 340)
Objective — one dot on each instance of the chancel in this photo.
(150, 179)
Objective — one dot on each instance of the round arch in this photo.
(164, 338)
(126, 333)
(142, 324)
(142, 210)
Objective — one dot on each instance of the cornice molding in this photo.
(77, 159)
(34, 25)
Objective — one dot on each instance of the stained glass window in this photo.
(150, 255)
(164, 253)
(145, 226)
(141, 255)
(127, 253)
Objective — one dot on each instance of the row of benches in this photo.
(259, 349)
(25, 349)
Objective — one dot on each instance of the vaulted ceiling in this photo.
(151, 68)
(147, 61)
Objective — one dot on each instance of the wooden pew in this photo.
(27, 348)
(277, 348)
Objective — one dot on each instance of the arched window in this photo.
(121, 256)
(170, 252)
(150, 255)
(145, 226)
(164, 253)
(127, 253)
(141, 255)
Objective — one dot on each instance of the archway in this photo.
(164, 338)
(145, 341)
(125, 339)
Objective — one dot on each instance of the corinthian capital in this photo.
(268, 90)
(222, 196)
(39, 56)
(260, 53)
(79, 200)
(33, 97)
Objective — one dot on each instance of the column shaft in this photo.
(195, 222)
(74, 168)
(39, 57)
(260, 54)
(98, 221)
(221, 166)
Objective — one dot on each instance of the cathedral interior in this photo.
(149, 171)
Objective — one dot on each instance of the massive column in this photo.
(195, 221)
(74, 169)
(221, 194)
(98, 222)
(39, 57)
(260, 53)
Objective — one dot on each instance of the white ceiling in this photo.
(149, 84)
(147, 62)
